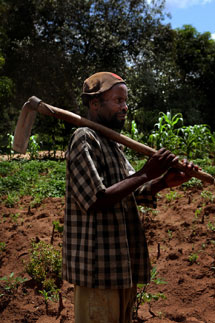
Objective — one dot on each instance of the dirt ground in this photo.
(181, 237)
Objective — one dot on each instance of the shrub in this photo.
(44, 266)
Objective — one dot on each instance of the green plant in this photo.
(10, 145)
(194, 139)
(193, 182)
(45, 265)
(136, 135)
(57, 226)
(198, 212)
(147, 210)
(33, 146)
(193, 257)
(38, 198)
(169, 234)
(11, 200)
(2, 246)
(11, 283)
(207, 196)
(15, 217)
(172, 196)
(165, 133)
(35, 177)
(50, 295)
(143, 296)
(211, 226)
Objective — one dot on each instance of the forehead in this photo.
(118, 90)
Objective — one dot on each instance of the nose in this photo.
(124, 107)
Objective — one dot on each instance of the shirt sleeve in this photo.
(84, 164)
(144, 196)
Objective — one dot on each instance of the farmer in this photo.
(105, 252)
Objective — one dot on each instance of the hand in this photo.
(159, 163)
(175, 177)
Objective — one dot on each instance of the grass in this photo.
(46, 178)
(34, 177)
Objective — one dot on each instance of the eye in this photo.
(119, 100)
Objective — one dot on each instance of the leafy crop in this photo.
(33, 146)
(195, 141)
(34, 177)
(143, 296)
(44, 266)
(193, 257)
(165, 133)
(2, 247)
(57, 226)
(10, 283)
(172, 195)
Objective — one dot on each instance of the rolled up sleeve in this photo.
(144, 196)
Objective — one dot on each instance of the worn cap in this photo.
(99, 83)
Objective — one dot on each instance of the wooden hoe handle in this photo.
(34, 104)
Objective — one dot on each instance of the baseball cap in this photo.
(99, 83)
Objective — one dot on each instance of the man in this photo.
(105, 252)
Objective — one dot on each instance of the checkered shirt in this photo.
(107, 248)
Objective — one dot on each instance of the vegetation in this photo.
(165, 69)
(11, 283)
(27, 178)
(143, 296)
(170, 75)
(46, 178)
(44, 266)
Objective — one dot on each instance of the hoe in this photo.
(34, 105)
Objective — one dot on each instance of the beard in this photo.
(113, 123)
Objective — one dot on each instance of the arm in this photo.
(157, 165)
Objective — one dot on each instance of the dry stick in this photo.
(203, 218)
(61, 306)
(52, 236)
(159, 251)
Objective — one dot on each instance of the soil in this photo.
(181, 238)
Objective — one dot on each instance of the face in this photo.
(112, 108)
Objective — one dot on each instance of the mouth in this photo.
(121, 116)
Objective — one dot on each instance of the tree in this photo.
(151, 77)
(195, 54)
(55, 45)
(177, 76)
(7, 112)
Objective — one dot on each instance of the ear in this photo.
(94, 104)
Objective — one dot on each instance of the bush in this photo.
(44, 266)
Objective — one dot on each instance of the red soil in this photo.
(174, 234)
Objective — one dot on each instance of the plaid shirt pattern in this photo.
(103, 249)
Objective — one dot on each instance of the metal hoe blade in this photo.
(23, 128)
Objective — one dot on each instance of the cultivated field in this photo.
(181, 238)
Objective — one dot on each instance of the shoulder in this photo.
(84, 134)
(84, 137)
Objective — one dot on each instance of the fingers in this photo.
(159, 163)
(167, 158)
(190, 165)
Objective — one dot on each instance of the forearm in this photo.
(158, 184)
(118, 191)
